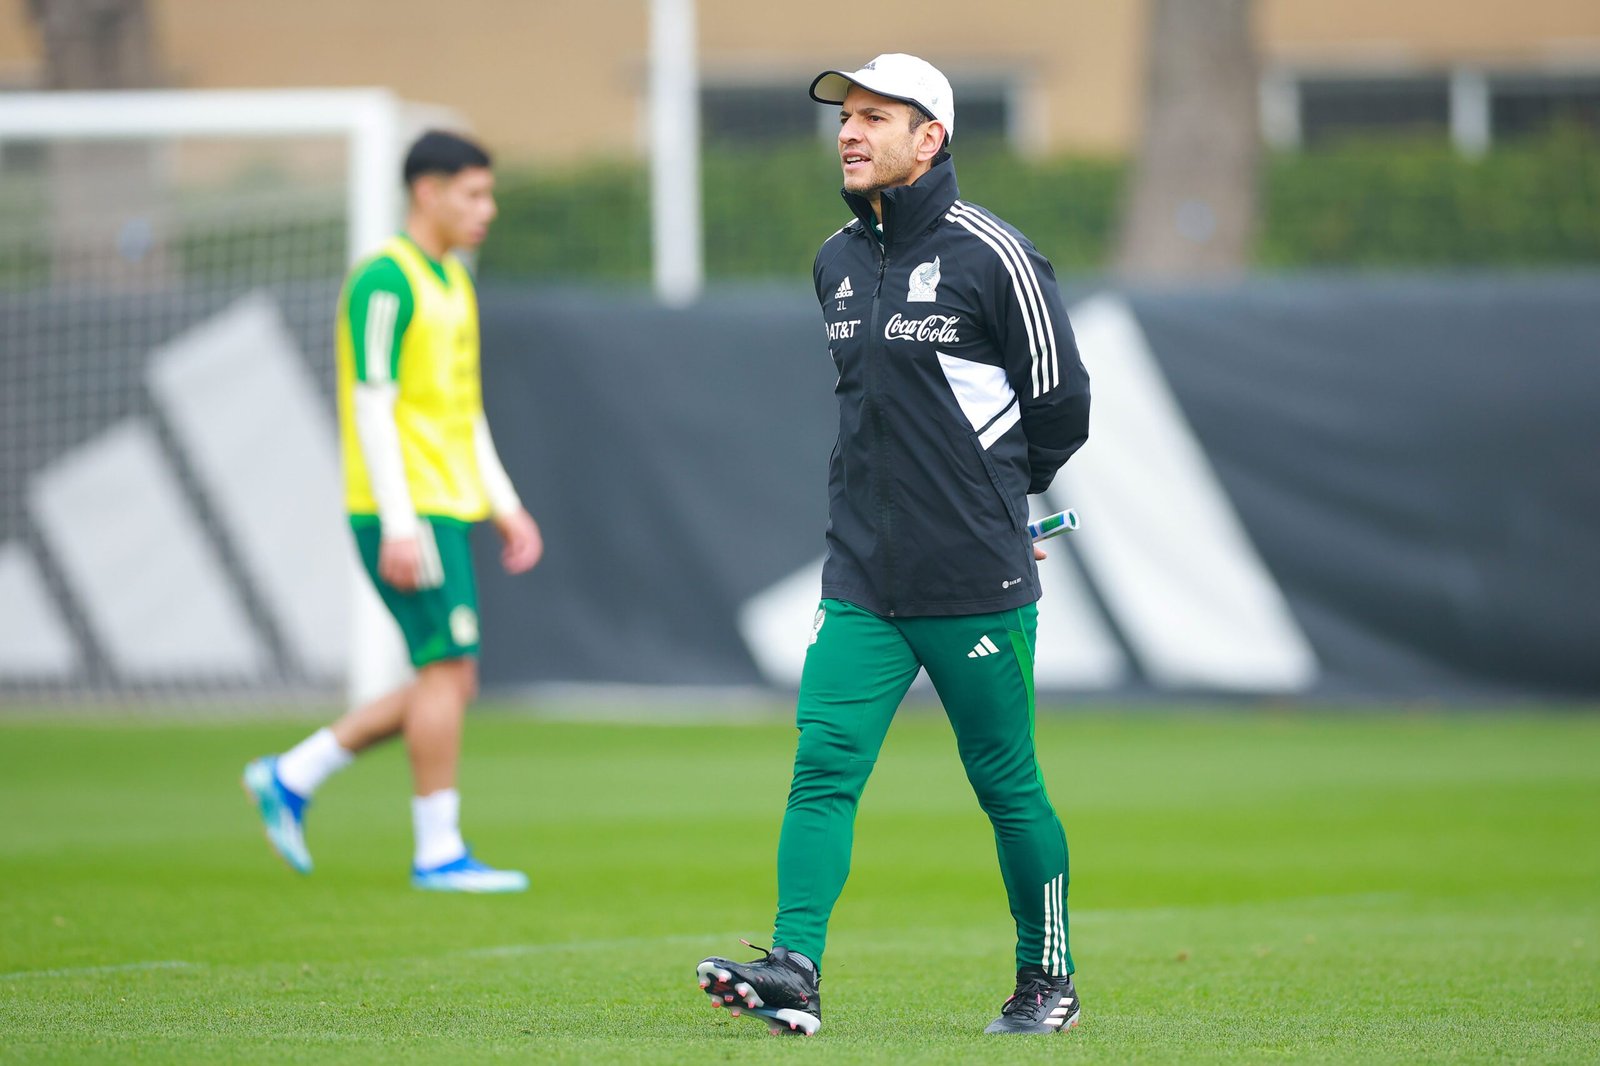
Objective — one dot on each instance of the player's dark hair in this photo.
(438, 152)
(918, 117)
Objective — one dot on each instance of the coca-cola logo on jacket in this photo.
(939, 329)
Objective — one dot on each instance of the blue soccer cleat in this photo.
(282, 812)
(467, 874)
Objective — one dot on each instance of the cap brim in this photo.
(831, 87)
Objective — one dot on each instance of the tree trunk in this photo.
(1190, 211)
(95, 44)
(105, 213)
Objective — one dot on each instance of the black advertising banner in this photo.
(1338, 489)
(1350, 489)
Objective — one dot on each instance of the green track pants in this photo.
(857, 670)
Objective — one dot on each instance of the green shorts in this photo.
(440, 621)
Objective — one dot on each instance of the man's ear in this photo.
(425, 190)
(932, 140)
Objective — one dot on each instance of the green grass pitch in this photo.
(1251, 886)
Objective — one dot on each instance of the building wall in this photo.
(19, 59)
(1432, 32)
(549, 81)
(1078, 59)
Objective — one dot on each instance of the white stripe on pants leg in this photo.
(1044, 958)
(1061, 924)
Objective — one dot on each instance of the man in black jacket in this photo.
(960, 392)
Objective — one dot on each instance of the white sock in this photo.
(436, 818)
(312, 761)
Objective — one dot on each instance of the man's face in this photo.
(877, 147)
(461, 205)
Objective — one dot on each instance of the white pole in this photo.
(377, 662)
(1280, 109)
(1470, 112)
(675, 153)
(374, 186)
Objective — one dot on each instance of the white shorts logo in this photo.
(816, 624)
(464, 625)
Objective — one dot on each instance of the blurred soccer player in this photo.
(960, 391)
(420, 468)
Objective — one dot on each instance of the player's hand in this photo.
(400, 563)
(524, 544)
(1040, 553)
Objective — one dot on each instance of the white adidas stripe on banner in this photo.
(1171, 561)
(1161, 540)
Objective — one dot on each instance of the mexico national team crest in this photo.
(924, 283)
(464, 625)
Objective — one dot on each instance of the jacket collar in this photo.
(908, 210)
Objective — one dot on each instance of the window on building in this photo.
(746, 113)
(1335, 108)
(1527, 105)
(774, 113)
(983, 110)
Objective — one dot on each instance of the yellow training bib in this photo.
(440, 391)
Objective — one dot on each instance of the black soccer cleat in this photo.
(778, 990)
(1041, 1004)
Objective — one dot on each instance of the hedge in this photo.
(1357, 205)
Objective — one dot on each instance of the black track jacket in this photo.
(960, 391)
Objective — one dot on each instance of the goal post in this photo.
(170, 513)
(369, 120)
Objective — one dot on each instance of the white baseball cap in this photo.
(899, 77)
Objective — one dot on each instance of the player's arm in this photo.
(1041, 360)
(523, 542)
(380, 309)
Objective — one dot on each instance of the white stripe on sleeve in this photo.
(382, 310)
(1030, 295)
(1036, 291)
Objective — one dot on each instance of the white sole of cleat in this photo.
(790, 1022)
(253, 785)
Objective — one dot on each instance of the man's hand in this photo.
(1039, 553)
(524, 544)
(400, 563)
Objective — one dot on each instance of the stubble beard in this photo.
(888, 170)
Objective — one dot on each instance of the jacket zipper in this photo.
(880, 434)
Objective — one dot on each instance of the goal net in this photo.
(170, 512)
